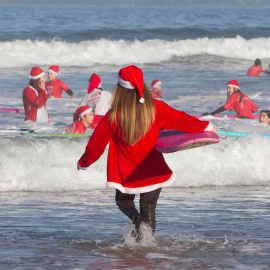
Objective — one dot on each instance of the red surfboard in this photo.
(170, 141)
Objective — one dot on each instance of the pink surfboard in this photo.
(11, 110)
(170, 141)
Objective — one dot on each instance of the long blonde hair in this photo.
(132, 119)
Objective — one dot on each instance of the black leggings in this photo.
(148, 202)
(148, 197)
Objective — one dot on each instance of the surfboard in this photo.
(170, 141)
(11, 110)
(51, 135)
(237, 134)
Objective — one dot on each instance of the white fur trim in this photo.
(37, 77)
(209, 127)
(125, 84)
(81, 168)
(52, 71)
(85, 112)
(141, 189)
(34, 89)
(141, 100)
(232, 85)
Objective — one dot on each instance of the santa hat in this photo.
(233, 83)
(131, 77)
(36, 73)
(154, 84)
(54, 69)
(81, 111)
(94, 82)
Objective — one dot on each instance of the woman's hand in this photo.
(42, 81)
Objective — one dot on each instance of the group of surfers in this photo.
(97, 102)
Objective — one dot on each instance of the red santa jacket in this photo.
(76, 127)
(245, 108)
(79, 127)
(34, 104)
(55, 88)
(255, 71)
(138, 168)
(156, 93)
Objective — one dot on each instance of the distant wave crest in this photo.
(25, 53)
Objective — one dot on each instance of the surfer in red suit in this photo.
(237, 101)
(265, 117)
(55, 86)
(155, 88)
(132, 127)
(35, 97)
(82, 118)
(256, 69)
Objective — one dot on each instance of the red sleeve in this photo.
(36, 101)
(96, 120)
(174, 119)
(261, 69)
(230, 104)
(97, 143)
(253, 106)
(78, 127)
(64, 86)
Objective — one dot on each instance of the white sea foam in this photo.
(22, 53)
(50, 165)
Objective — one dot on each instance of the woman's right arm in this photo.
(219, 110)
(96, 144)
(36, 101)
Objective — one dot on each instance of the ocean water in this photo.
(216, 214)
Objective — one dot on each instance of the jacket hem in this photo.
(138, 190)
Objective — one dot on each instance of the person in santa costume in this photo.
(35, 97)
(155, 88)
(132, 127)
(55, 86)
(82, 118)
(97, 98)
(237, 101)
(256, 69)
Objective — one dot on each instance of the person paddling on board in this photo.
(55, 86)
(256, 69)
(155, 88)
(82, 118)
(265, 117)
(97, 98)
(238, 101)
(35, 97)
(132, 128)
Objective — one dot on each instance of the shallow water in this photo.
(197, 228)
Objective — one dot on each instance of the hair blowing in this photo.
(132, 119)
